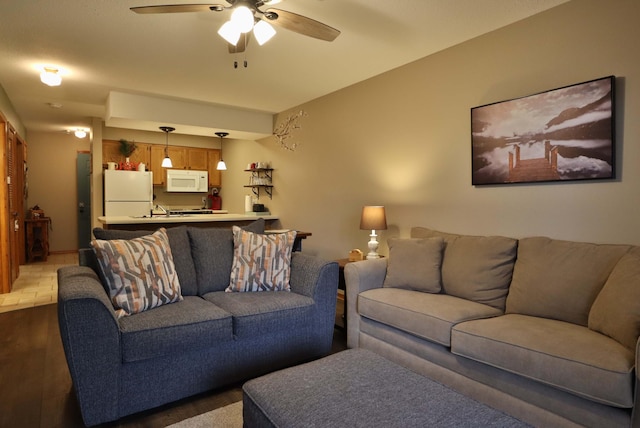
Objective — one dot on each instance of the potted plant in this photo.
(127, 148)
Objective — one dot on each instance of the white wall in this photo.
(402, 139)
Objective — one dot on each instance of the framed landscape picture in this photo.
(557, 135)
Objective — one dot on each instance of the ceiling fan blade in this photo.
(241, 45)
(177, 8)
(301, 24)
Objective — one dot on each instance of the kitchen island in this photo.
(198, 220)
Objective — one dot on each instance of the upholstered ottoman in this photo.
(358, 388)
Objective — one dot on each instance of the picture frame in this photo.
(563, 134)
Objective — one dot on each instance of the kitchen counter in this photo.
(197, 220)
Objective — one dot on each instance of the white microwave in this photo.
(186, 180)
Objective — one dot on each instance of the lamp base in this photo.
(373, 246)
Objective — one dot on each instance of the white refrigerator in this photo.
(128, 193)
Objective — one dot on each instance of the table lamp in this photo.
(373, 218)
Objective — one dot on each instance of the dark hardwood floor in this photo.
(35, 386)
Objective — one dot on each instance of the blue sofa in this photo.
(120, 366)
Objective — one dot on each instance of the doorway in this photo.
(83, 168)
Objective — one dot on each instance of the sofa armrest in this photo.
(359, 277)
(91, 340)
(635, 416)
(314, 277)
(317, 278)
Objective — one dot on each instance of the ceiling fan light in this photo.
(243, 19)
(229, 32)
(50, 77)
(221, 166)
(263, 32)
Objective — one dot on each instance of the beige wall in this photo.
(402, 139)
(7, 110)
(51, 160)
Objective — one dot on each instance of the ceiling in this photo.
(102, 47)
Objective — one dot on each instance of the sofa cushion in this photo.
(564, 355)
(616, 311)
(181, 327)
(415, 264)
(257, 314)
(212, 250)
(261, 262)
(476, 268)
(139, 273)
(560, 279)
(426, 315)
(180, 249)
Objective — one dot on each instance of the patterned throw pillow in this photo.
(261, 262)
(140, 272)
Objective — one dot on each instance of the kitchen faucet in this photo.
(163, 209)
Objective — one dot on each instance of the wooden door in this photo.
(20, 168)
(5, 253)
(15, 193)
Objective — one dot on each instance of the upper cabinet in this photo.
(111, 153)
(215, 177)
(197, 159)
(157, 154)
(194, 158)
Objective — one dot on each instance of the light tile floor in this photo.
(37, 283)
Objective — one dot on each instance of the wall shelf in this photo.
(261, 180)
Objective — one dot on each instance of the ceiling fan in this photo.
(256, 20)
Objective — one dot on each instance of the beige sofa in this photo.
(545, 330)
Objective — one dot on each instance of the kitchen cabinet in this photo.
(197, 159)
(151, 155)
(215, 177)
(111, 153)
(178, 157)
(261, 180)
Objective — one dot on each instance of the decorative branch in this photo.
(127, 147)
(284, 131)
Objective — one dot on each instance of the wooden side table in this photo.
(37, 239)
(342, 285)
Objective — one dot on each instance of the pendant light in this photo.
(166, 162)
(221, 165)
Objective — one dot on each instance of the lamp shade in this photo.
(373, 218)
(229, 32)
(243, 19)
(166, 162)
(263, 32)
